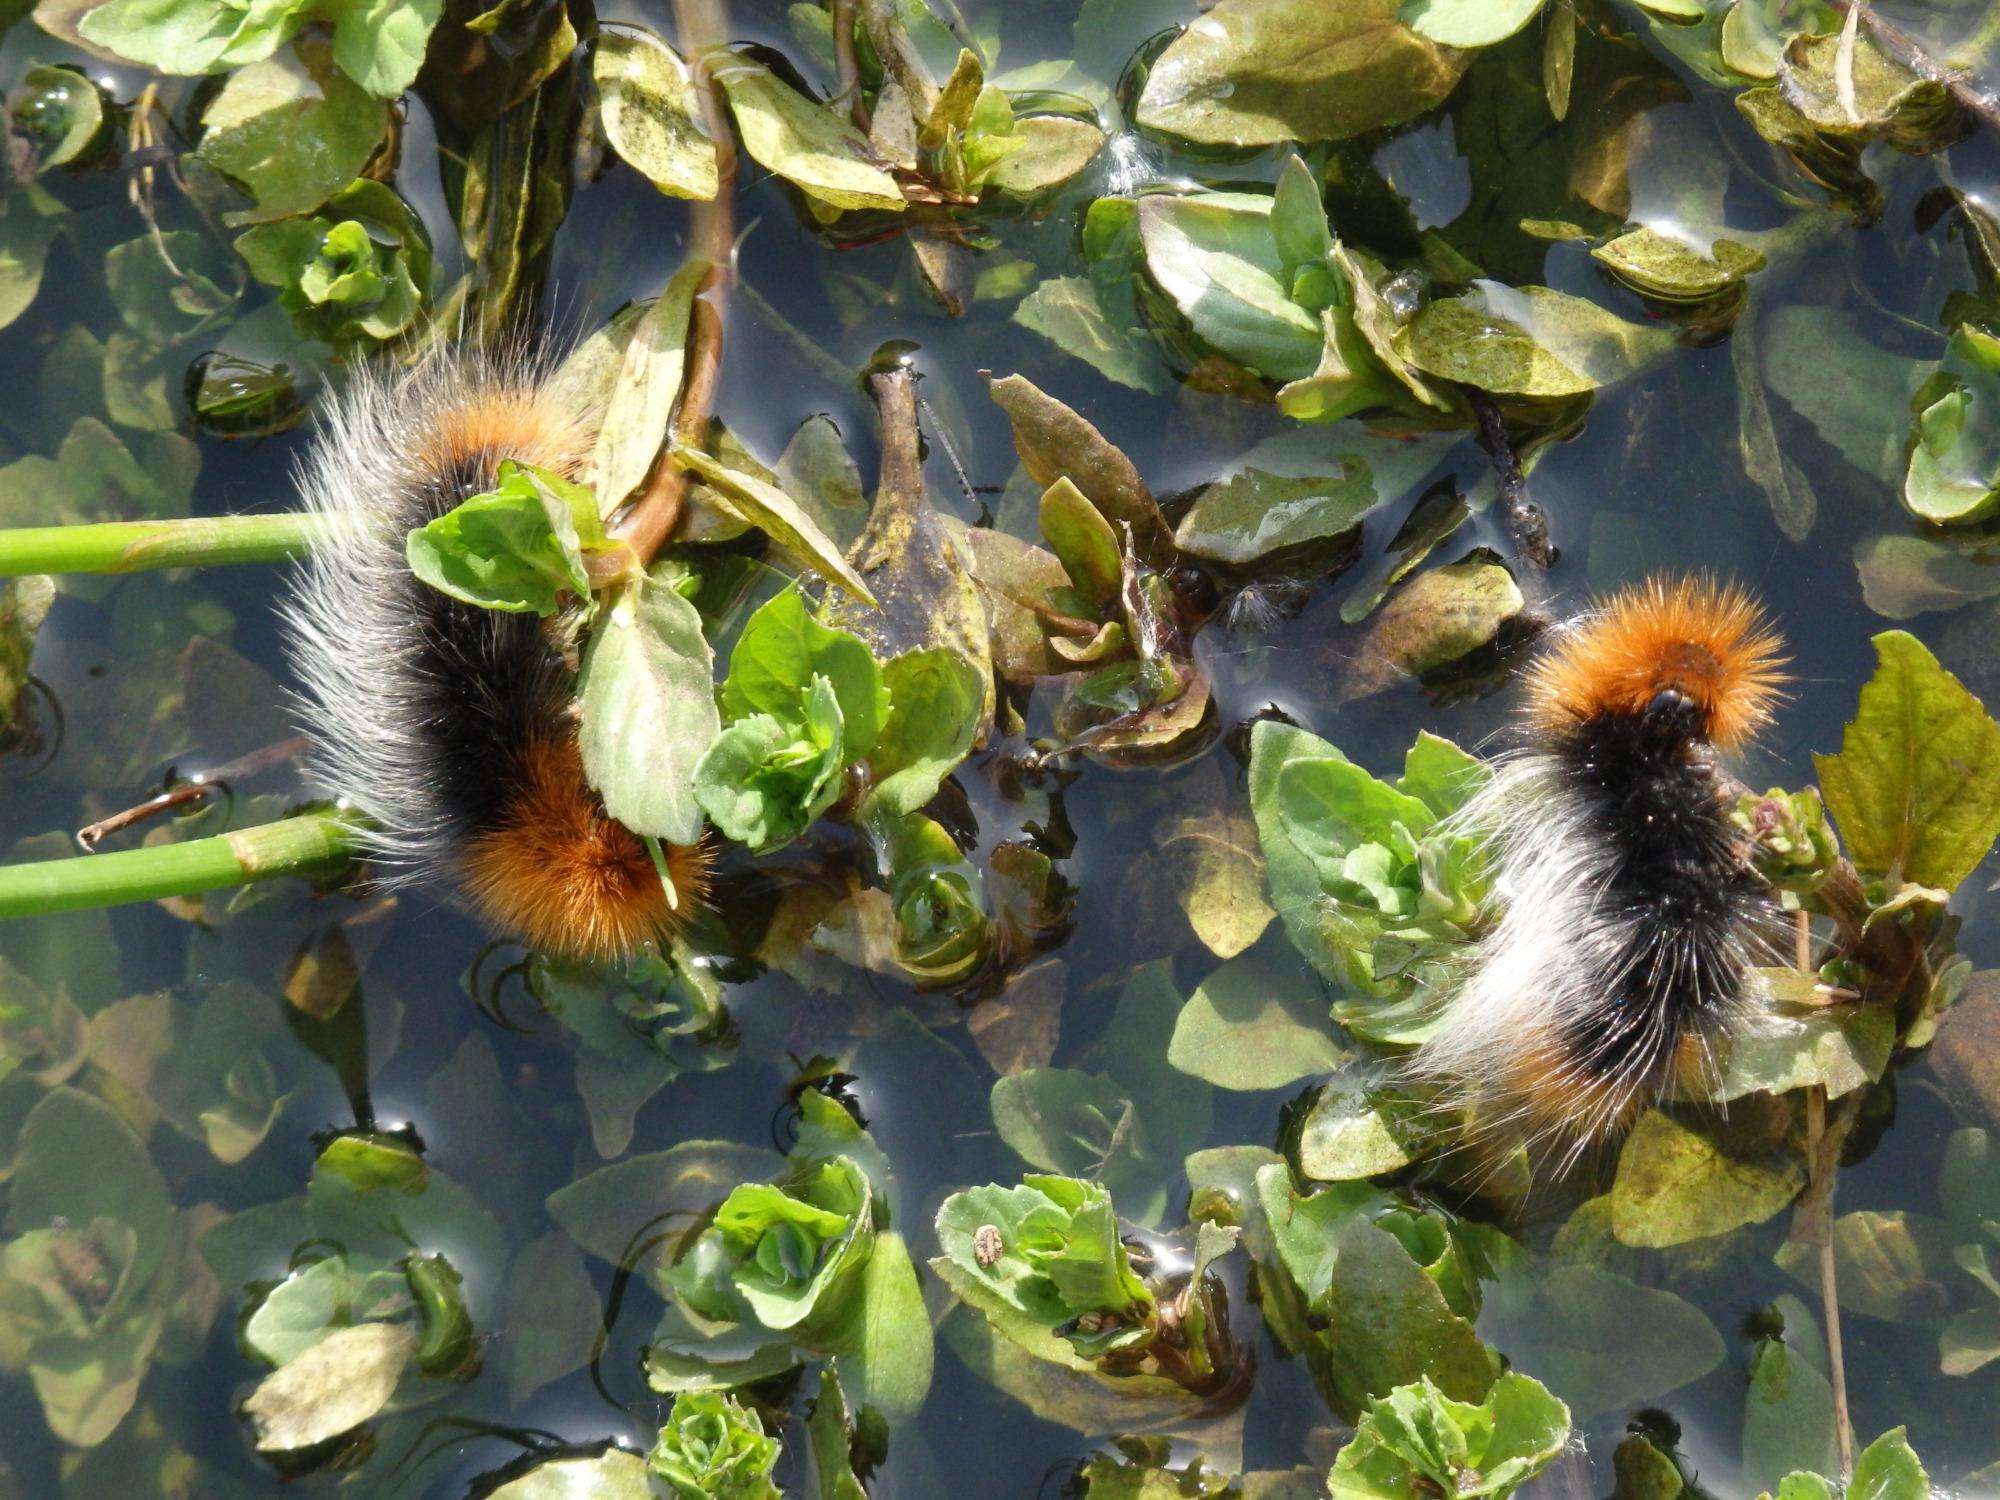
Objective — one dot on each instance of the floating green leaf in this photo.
(802, 140)
(1417, 1436)
(1252, 73)
(647, 701)
(1915, 788)
(710, 1446)
(517, 547)
(1528, 341)
(1954, 470)
(291, 130)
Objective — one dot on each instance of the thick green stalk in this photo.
(291, 846)
(135, 546)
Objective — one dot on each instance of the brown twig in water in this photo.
(702, 27)
(895, 393)
(1815, 1218)
(195, 789)
(846, 64)
(1981, 104)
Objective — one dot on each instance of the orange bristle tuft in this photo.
(1707, 640)
(487, 423)
(1546, 1094)
(564, 878)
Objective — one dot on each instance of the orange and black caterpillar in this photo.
(450, 727)
(1631, 908)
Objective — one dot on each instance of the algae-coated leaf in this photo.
(647, 699)
(1053, 442)
(779, 516)
(1674, 270)
(333, 1387)
(1528, 341)
(1435, 619)
(292, 131)
(640, 397)
(1915, 788)
(651, 115)
(802, 140)
(1469, 23)
(1847, 85)
(25, 603)
(1255, 1025)
(1887, 1470)
(1676, 1184)
(1257, 72)
(611, 1475)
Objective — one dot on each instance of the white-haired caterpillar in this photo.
(450, 727)
(1631, 907)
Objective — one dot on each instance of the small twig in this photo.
(1527, 527)
(1977, 102)
(195, 789)
(846, 64)
(1822, 1158)
(702, 27)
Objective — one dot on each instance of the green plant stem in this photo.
(136, 546)
(292, 846)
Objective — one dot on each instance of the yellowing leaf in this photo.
(332, 1388)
